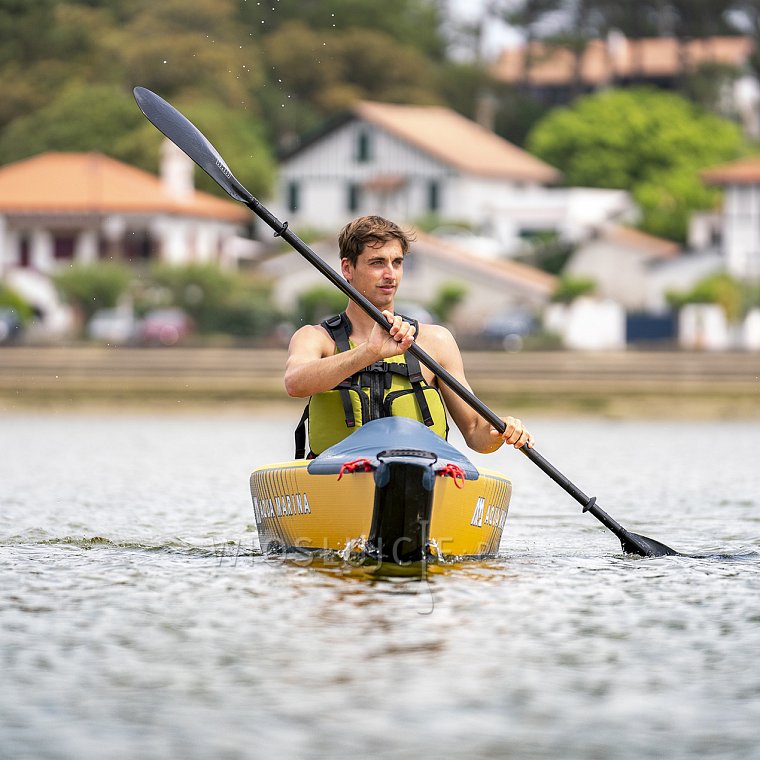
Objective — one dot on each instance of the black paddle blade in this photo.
(633, 543)
(186, 136)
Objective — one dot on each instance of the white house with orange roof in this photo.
(404, 162)
(739, 218)
(58, 208)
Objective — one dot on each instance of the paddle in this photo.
(186, 136)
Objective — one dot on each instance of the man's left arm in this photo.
(477, 432)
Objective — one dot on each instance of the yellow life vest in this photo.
(393, 387)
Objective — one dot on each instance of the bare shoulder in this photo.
(311, 339)
(436, 337)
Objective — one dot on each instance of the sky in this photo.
(498, 35)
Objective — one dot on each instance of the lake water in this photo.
(137, 618)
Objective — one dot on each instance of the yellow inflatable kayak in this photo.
(393, 490)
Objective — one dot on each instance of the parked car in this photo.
(116, 326)
(165, 327)
(11, 326)
(508, 329)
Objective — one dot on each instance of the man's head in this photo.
(372, 231)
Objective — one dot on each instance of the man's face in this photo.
(377, 273)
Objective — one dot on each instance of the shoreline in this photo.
(626, 385)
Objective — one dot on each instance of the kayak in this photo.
(393, 491)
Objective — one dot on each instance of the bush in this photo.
(12, 300)
(218, 301)
(90, 287)
(448, 297)
(569, 288)
(248, 313)
(317, 303)
(199, 289)
(721, 289)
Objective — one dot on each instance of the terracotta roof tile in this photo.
(604, 60)
(457, 141)
(85, 183)
(496, 269)
(745, 171)
(643, 241)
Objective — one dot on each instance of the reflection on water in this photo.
(138, 615)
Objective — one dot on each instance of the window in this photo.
(63, 247)
(354, 197)
(294, 196)
(363, 147)
(434, 195)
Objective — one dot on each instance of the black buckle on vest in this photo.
(381, 366)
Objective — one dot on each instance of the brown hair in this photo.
(370, 231)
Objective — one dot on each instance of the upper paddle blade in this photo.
(185, 135)
(633, 543)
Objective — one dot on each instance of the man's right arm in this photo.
(314, 367)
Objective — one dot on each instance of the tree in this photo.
(82, 118)
(721, 289)
(90, 287)
(650, 143)
(314, 77)
(412, 23)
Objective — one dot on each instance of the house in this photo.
(83, 207)
(638, 270)
(491, 286)
(618, 259)
(405, 163)
(553, 70)
(740, 216)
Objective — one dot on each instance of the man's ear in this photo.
(346, 269)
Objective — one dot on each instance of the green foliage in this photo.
(648, 142)
(547, 251)
(448, 297)
(569, 288)
(414, 23)
(720, 289)
(90, 287)
(219, 301)
(708, 84)
(317, 303)
(247, 312)
(199, 289)
(314, 75)
(68, 68)
(81, 118)
(517, 113)
(12, 300)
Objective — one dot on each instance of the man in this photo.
(372, 251)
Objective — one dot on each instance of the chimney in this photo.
(176, 172)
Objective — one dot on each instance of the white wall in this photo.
(587, 324)
(741, 230)
(751, 331)
(703, 327)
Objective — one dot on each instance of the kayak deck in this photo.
(399, 505)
